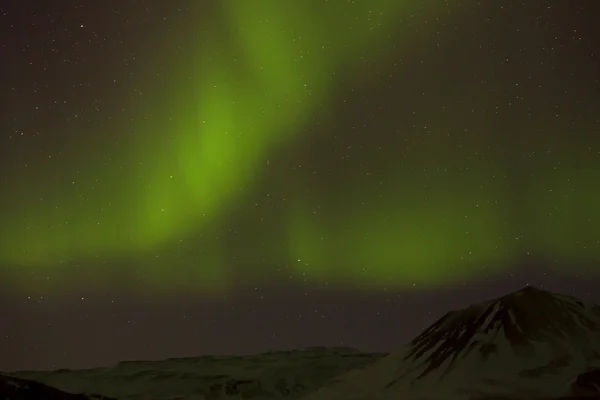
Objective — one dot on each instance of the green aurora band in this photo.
(252, 91)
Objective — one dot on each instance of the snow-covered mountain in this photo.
(530, 343)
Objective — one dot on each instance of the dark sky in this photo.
(234, 177)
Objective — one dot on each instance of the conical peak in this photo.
(526, 293)
(529, 291)
(529, 288)
(523, 319)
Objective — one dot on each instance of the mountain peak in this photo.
(529, 288)
(512, 325)
(542, 298)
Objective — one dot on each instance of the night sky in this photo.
(181, 178)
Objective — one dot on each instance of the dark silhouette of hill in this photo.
(12, 388)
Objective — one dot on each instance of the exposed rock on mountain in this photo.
(587, 384)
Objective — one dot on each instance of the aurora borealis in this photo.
(460, 158)
(245, 95)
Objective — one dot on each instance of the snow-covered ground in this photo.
(276, 375)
